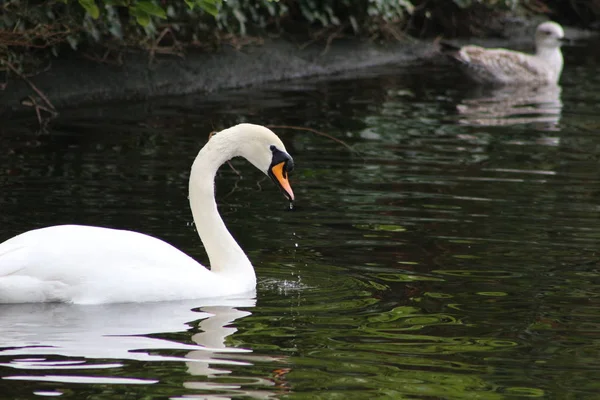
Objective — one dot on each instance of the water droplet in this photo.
(291, 205)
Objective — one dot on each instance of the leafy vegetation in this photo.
(32, 31)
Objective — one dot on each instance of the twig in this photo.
(238, 173)
(315, 38)
(35, 89)
(39, 37)
(156, 48)
(316, 132)
(37, 110)
(238, 42)
(118, 59)
(336, 34)
(234, 188)
(30, 102)
(258, 184)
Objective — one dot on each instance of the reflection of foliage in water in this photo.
(445, 260)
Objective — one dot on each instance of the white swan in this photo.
(502, 66)
(93, 265)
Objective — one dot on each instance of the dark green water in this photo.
(454, 255)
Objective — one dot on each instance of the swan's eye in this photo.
(281, 157)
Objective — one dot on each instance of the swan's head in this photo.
(265, 151)
(549, 35)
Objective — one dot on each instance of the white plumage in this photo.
(92, 265)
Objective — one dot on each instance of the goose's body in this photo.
(92, 265)
(505, 67)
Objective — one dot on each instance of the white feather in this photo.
(93, 265)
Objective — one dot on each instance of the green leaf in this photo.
(463, 3)
(142, 18)
(210, 6)
(149, 8)
(90, 7)
(122, 3)
(190, 3)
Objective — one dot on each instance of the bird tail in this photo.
(447, 47)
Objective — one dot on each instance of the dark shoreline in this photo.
(73, 81)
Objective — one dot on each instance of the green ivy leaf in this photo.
(190, 3)
(149, 8)
(90, 7)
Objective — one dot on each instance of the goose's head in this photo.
(265, 151)
(549, 35)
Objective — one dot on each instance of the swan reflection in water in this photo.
(510, 105)
(30, 332)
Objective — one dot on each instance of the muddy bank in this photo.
(74, 81)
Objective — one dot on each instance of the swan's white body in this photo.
(93, 265)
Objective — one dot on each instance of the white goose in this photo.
(93, 265)
(502, 66)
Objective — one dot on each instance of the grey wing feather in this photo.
(499, 65)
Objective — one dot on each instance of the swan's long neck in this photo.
(226, 256)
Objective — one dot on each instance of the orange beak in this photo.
(279, 176)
